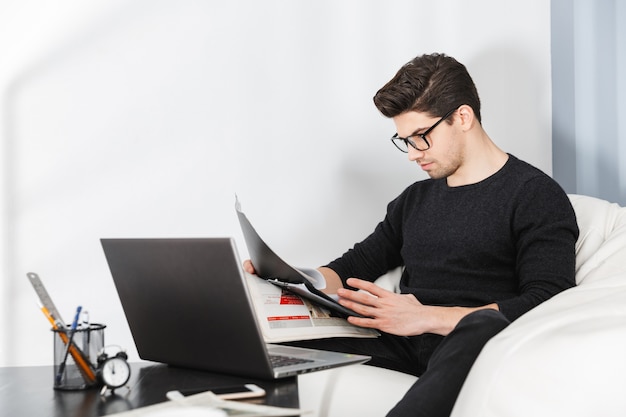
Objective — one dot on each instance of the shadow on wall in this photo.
(83, 62)
(95, 30)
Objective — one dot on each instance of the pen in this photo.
(85, 367)
(84, 325)
(68, 345)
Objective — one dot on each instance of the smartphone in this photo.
(230, 392)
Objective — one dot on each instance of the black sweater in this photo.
(508, 239)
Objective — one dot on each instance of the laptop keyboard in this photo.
(278, 360)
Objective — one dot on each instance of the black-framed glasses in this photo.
(417, 140)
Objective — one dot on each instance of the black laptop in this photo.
(187, 304)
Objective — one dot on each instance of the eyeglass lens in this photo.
(403, 144)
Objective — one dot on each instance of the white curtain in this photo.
(589, 95)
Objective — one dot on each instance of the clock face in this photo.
(115, 372)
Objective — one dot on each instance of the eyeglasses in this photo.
(420, 143)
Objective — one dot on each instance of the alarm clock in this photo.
(113, 371)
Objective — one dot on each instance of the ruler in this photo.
(49, 309)
(45, 299)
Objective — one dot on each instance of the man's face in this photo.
(445, 155)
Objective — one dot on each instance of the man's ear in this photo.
(466, 117)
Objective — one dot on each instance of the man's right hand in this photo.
(333, 283)
(248, 267)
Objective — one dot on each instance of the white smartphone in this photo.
(230, 392)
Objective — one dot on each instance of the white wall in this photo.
(145, 117)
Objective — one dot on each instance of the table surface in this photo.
(27, 391)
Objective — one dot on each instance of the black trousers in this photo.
(442, 363)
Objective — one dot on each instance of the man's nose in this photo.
(414, 154)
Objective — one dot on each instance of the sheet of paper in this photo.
(314, 276)
(207, 401)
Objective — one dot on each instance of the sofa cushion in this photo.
(602, 236)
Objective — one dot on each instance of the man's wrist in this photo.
(445, 319)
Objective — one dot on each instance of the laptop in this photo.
(187, 305)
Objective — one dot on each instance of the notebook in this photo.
(187, 304)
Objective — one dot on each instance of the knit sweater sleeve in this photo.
(378, 253)
(545, 230)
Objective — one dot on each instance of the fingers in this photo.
(370, 287)
(363, 322)
(369, 302)
(356, 297)
(248, 267)
(365, 310)
(361, 302)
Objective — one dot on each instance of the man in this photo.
(485, 239)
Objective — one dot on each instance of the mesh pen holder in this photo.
(75, 363)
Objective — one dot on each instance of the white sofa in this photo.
(567, 357)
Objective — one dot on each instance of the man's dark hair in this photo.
(433, 83)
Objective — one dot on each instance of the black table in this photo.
(27, 391)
